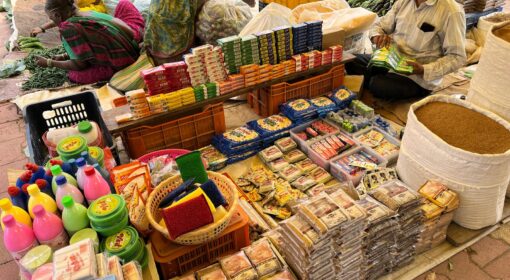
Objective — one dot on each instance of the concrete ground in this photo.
(487, 259)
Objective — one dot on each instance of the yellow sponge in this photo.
(196, 193)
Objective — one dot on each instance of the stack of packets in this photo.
(187, 96)
(385, 126)
(299, 110)
(191, 206)
(301, 62)
(407, 204)
(378, 142)
(354, 166)
(323, 105)
(314, 35)
(234, 82)
(374, 178)
(361, 108)
(391, 59)
(342, 97)
(349, 120)
(299, 38)
(314, 59)
(438, 210)
(177, 75)
(271, 128)
(231, 47)
(316, 130)
(237, 144)
(251, 74)
(138, 104)
(76, 261)
(205, 91)
(250, 50)
(166, 78)
(265, 73)
(284, 42)
(197, 68)
(267, 47)
(278, 71)
(332, 145)
(336, 53)
(327, 56)
(214, 158)
(290, 66)
(380, 238)
(215, 65)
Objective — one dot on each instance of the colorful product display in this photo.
(231, 47)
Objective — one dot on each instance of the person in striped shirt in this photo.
(430, 31)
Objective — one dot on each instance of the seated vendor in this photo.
(97, 44)
(430, 31)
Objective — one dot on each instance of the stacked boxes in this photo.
(265, 72)
(157, 103)
(237, 81)
(187, 95)
(215, 65)
(290, 66)
(301, 61)
(177, 75)
(196, 64)
(155, 80)
(267, 47)
(251, 74)
(173, 100)
(336, 53)
(250, 50)
(205, 91)
(283, 36)
(166, 78)
(231, 47)
(278, 71)
(314, 35)
(327, 57)
(138, 104)
(299, 38)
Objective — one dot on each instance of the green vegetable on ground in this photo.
(40, 77)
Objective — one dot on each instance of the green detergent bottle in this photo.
(56, 171)
(74, 215)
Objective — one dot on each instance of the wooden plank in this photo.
(115, 128)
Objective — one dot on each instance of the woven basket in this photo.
(205, 233)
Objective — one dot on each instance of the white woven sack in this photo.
(481, 180)
(490, 83)
(486, 23)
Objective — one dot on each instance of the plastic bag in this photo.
(272, 16)
(222, 18)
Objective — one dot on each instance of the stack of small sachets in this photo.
(250, 50)
(267, 47)
(231, 47)
(323, 105)
(299, 38)
(380, 238)
(271, 128)
(299, 110)
(283, 37)
(314, 35)
(237, 144)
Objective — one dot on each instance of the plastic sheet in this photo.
(273, 15)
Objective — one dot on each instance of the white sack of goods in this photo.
(464, 147)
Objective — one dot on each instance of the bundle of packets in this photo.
(155, 80)
(267, 47)
(284, 42)
(361, 108)
(215, 65)
(237, 143)
(301, 62)
(250, 50)
(374, 178)
(438, 211)
(236, 81)
(356, 164)
(299, 110)
(348, 120)
(314, 35)
(231, 47)
(214, 158)
(342, 97)
(332, 145)
(205, 91)
(138, 104)
(251, 74)
(177, 75)
(315, 130)
(379, 239)
(384, 125)
(271, 127)
(157, 103)
(407, 204)
(290, 66)
(307, 251)
(336, 53)
(187, 95)
(314, 59)
(265, 73)
(349, 245)
(323, 105)
(327, 56)
(76, 261)
(197, 68)
(378, 142)
(391, 59)
(173, 100)
(278, 71)
(299, 38)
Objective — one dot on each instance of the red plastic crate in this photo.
(190, 133)
(267, 101)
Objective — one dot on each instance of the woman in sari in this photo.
(97, 45)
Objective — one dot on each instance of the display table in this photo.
(116, 128)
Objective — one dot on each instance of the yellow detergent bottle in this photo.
(39, 198)
(18, 213)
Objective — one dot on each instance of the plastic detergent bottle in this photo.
(56, 135)
(74, 216)
(74, 168)
(80, 173)
(56, 170)
(94, 186)
(18, 197)
(64, 188)
(97, 154)
(44, 187)
(106, 176)
(90, 160)
(49, 229)
(39, 198)
(19, 214)
(18, 237)
(89, 131)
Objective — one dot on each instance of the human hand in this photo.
(381, 40)
(36, 31)
(417, 67)
(59, 57)
(41, 61)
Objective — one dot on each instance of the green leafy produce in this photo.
(380, 7)
(40, 77)
(11, 69)
(28, 44)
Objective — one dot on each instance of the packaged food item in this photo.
(294, 156)
(278, 164)
(320, 175)
(290, 173)
(132, 271)
(137, 215)
(323, 213)
(395, 194)
(304, 182)
(285, 144)
(115, 267)
(282, 275)
(431, 210)
(213, 272)
(306, 165)
(238, 266)
(77, 261)
(263, 258)
(214, 158)
(270, 154)
(102, 265)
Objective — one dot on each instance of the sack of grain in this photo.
(486, 23)
(468, 152)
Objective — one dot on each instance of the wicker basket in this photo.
(205, 233)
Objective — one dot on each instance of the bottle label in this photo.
(60, 241)
(118, 241)
(71, 144)
(105, 205)
(18, 255)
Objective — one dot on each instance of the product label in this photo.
(104, 205)
(94, 152)
(18, 255)
(71, 144)
(58, 242)
(118, 241)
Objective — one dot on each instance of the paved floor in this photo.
(487, 259)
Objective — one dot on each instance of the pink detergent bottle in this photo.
(18, 237)
(64, 188)
(49, 229)
(80, 173)
(94, 186)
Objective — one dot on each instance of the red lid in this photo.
(89, 170)
(13, 190)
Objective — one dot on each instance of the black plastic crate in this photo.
(59, 113)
